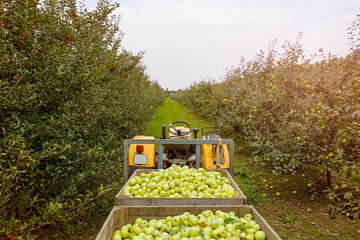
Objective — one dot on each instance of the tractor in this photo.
(180, 145)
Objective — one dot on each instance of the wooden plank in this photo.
(121, 215)
(124, 200)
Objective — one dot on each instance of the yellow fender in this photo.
(209, 154)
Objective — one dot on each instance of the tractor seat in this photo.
(177, 147)
(213, 137)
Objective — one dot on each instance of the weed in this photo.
(247, 184)
(289, 221)
(329, 234)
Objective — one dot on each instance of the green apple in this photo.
(260, 235)
(256, 227)
(132, 182)
(193, 220)
(236, 233)
(116, 237)
(207, 231)
(155, 232)
(249, 237)
(194, 231)
(137, 229)
(185, 232)
(217, 233)
(248, 216)
(124, 231)
(149, 230)
(251, 231)
(230, 228)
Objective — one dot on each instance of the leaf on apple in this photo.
(242, 226)
(230, 221)
(173, 232)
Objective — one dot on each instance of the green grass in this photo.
(171, 111)
(245, 179)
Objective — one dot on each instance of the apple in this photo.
(132, 182)
(207, 231)
(148, 230)
(175, 236)
(144, 223)
(185, 232)
(252, 223)
(139, 180)
(168, 227)
(230, 228)
(256, 227)
(249, 237)
(155, 232)
(137, 229)
(172, 184)
(148, 237)
(194, 231)
(193, 220)
(217, 233)
(251, 231)
(175, 221)
(116, 237)
(159, 225)
(260, 235)
(236, 233)
(152, 223)
(248, 217)
(124, 232)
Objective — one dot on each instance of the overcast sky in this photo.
(189, 40)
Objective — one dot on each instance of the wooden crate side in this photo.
(109, 226)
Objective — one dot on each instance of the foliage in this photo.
(294, 112)
(69, 96)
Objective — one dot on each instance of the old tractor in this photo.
(180, 145)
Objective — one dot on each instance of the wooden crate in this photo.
(121, 215)
(124, 200)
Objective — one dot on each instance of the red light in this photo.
(139, 148)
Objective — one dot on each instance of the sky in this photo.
(186, 41)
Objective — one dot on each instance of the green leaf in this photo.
(173, 232)
(242, 226)
(231, 220)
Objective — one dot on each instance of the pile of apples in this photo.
(207, 225)
(180, 182)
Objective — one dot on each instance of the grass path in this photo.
(171, 111)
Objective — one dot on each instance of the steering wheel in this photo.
(178, 132)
